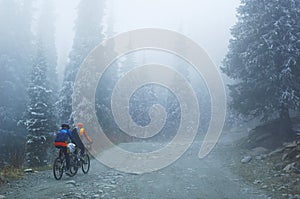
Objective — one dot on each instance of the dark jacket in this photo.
(62, 137)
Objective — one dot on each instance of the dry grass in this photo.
(43, 168)
(10, 173)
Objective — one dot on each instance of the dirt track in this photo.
(188, 177)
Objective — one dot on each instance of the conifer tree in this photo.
(16, 51)
(41, 120)
(88, 34)
(263, 58)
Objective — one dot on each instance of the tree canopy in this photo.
(263, 59)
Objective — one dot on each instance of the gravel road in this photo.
(188, 177)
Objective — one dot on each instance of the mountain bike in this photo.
(83, 161)
(59, 165)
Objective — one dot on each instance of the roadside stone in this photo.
(71, 182)
(2, 197)
(101, 191)
(96, 196)
(113, 182)
(289, 167)
(282, 188)
(291, 145)
(264, 186)
(84, 194)
(284, 157)
(279, 150)
(258, 157)
(28, 170)
(285, 174)
(257, 182)
(246, 159)
(292, 154)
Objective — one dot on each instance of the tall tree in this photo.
(46, 34)
(15, 60)
(40, 115)
(263, 58)
(88, 33)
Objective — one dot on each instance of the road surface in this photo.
(189, 177)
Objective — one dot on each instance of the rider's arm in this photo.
(70, 134)
(82, 131)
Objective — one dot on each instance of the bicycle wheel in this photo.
(85, 163)
(58, 168)
(73, 165)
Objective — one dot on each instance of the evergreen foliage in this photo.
(88, 34)
(16, 51)
(41, 120)
(263, 59)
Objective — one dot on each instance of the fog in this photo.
(65, 16)
(161, 118)
(206, 22)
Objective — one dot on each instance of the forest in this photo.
(33, 102)
(262, 69)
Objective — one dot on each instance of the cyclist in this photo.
(60, 142)
(79, 133)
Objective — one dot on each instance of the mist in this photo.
(149, 99)
(206, 22)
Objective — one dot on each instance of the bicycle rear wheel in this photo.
(85, 163)
(58, 168)
(73, 165)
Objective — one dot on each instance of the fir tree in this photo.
(15, 61)
(46, 33)
(40, 116)
(263, 58)
(88, 33)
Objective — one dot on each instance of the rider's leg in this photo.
(81, 146)
(82, 150)
(65, 151)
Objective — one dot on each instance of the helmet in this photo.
(71, 147)
(80, 125)
(65, 126)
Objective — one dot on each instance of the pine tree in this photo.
(263, 58)
(46, 33)
(15, 61)
(88, 33)
(40, 115)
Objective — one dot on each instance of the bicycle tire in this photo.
(73, 165)
(58, 168)
(85, 163)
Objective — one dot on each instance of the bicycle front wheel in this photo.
(58, 168)
(85, 163)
